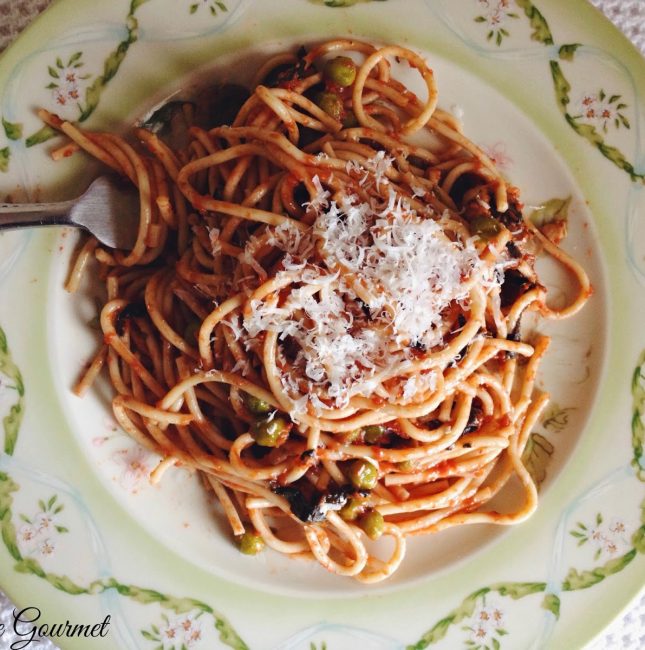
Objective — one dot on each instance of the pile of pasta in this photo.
(321, 314)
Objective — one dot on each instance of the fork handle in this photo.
(22, 215)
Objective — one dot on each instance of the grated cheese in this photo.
(372, 172)
(321, 199)
(213, 237)
(233, 323)
(404, 263)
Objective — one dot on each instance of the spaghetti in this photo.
(321, 315)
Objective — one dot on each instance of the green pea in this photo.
(372, 523)
(352, 509)
(270, 432)
(362, 474)
(485, 227)
(332, 104)
(256, 405)
(251, 544)
(373, 433)
(340, 71)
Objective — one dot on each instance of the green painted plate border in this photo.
(624, 373)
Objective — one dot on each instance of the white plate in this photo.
(155, 557)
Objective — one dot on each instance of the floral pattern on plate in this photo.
(33, 544)
(614, 540)
(495, 26)
(39, 534)
(496, 16)
(32, 541)
(603, 107)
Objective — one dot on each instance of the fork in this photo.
(108, 209)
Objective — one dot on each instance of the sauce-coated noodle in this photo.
(321, 316)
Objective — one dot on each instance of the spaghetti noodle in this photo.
(321, 315)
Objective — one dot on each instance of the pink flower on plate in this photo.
(111, 430)
(43, 522)
(608, 539)
(182, 632)
(46, 547)
(487, 626)
(495, 11)
(26, 534)
(498, 153)
(38, 535)
(193, 637)
(191, 629)
(66, 81)
(134, 467)
(169, 633)
(617, 527)
(67, 90)
(601, 110)
(66, 93)
(495, 15)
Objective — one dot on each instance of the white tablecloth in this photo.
(627, 632)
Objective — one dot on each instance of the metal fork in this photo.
(109, 209)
